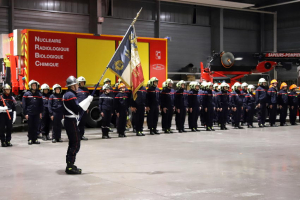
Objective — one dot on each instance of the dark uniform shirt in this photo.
(106, 102)
(55, 104)
(9, 101)
(293, 99)
(249, 101)
(167, 98)
(32, 103)
(283, 98)
(223, 99)
(152, 97)
(193, 100)
(71, 102)
(141, 98)
(82, 94)
(121, 102)
(181, 99)
(272, 94)
(236, 100)
(45, 100)
(261, 95)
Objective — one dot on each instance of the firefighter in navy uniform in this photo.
(152, 105)
(181, 105)
(202, 96)
(5, 122)
(293, 104)
(209, 106)
(138, 109)
(82, 93)
(244, 91)
(223, 105)
(283, 102)
(272, 99)
(121, 109)
(261, 101)
(194, 106)
(163, 87)
(106, 106)
(71, 111)
(32, 103)
(249, 105)
(56, 110)
(215, 94)
(236, 103)
(167, 104)
(46, 121)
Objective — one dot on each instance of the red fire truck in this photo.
(51, 56)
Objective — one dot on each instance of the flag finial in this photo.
(137, 15)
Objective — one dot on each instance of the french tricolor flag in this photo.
(126, 62)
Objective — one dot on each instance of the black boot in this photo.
(30, 142)
(44, 138)
(152, 132)
(9, 144)
(54, 141)
(193, 130)
(72, 169)
(84, 138)
(36, 142)
(156, 132)
(3, 144)
(48, 137)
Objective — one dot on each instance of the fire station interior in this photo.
(206, 56)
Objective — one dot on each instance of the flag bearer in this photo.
(32, 103)
(138, 109)
(209, 106)
(106, 104)
(236, 103)
(5, 121)
(82, 93)
(71, 111)
(283, 101)
(293, 104)
(181, 105)
(152, 105)
(121, 109)
(167, 104)
(46, 121)
(223, 105)
(249, 105)
(272, 95)
(194, 106)
(56, 110)
(261, 101)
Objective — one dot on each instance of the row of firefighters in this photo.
(213, 103)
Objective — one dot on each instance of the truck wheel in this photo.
(94, 117)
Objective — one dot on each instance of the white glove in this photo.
(3, 108)
(90, 98)
(15, 117)
(86, 103)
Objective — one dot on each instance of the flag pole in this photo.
(132, 24)
(97, 85)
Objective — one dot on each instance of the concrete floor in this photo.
(252, 164)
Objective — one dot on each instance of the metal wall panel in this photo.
(129, 8)
(112, 26)
(288, 39)
(177, 13)
(241, 20)
(203, 16)
(241, 40)
(29, 19)
(74, 6)
(4, 20)
(190, 44)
